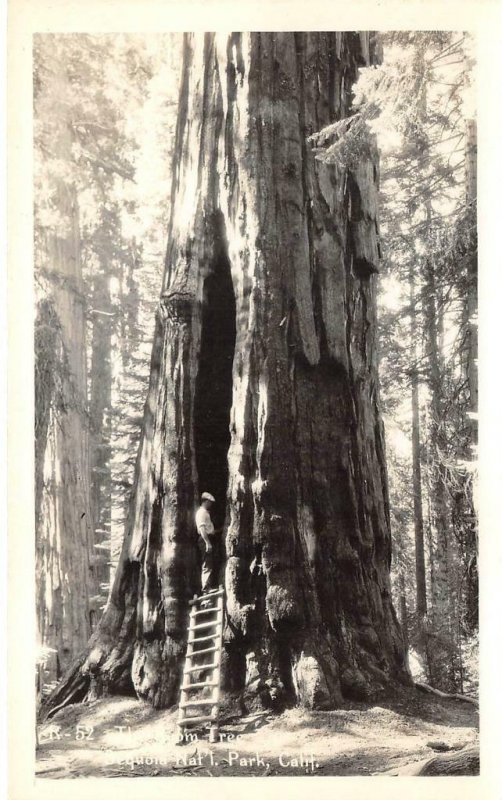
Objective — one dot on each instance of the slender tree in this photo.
(100, 390)
(442, 649)
(418, 517)
(465, 498)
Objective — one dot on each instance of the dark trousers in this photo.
(207, 566)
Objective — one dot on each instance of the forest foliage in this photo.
(120, 102)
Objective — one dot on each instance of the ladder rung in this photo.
(186, 687)
(205, 611)
(200, 667)
(194, 720)
(207, 596)
(211, 624)
(204, 702)
(204, 608)
(206, 650)
(202, 639)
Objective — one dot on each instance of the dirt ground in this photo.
(122, 737)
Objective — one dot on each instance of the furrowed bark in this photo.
(66, 585)
(264, 386)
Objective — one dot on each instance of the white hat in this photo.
(207, 496)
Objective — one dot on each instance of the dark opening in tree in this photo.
(213, 386)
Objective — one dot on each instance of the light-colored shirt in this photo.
(203, 521)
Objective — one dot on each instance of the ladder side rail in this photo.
(183, 691)
(190, 666)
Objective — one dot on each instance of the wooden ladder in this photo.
(205, 632)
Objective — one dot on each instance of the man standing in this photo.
(205, 529)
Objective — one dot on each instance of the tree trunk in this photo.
(100, 407)
(124, 373)
(442, 649)
(65, 583)
(418, 518)
(263, 391)
(460, 762)
(403, 606)
(471, 151)
(468, 500)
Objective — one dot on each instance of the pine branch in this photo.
(109, 166)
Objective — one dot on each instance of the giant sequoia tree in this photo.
(65, 583)
(263, 390)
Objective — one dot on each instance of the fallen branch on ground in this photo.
(426, 688)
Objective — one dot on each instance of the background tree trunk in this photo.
(471, 372)
(100, 407)
(263, 390)
(460, 762)
(471, 152)
(442, 647)
(65, 581)
(418, 517)
(125, 372)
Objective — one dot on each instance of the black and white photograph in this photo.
(255, 485)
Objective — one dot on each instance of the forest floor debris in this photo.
(123, 737)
